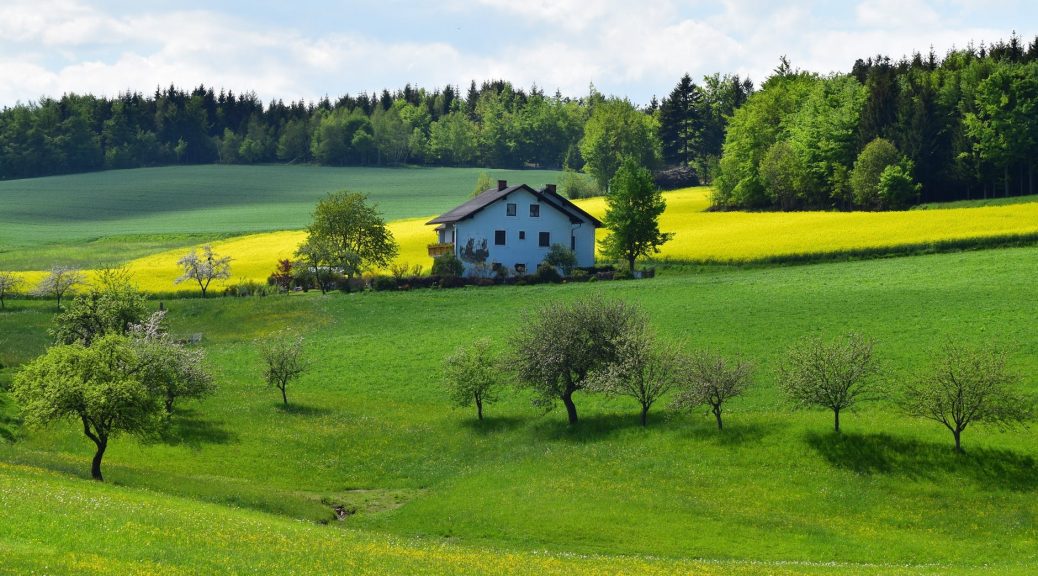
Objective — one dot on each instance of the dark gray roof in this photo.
(488, 197)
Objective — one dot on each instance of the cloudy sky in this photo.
(307, 49)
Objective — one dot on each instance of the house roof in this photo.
(488, 197)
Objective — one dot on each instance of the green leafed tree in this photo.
(617, 130)
(283, 361)
(633, 209)
(644, 369)
(968, 385)
(348, 233)
(711, 379)
(99, 387)
(471, 375)
(111, 305)
(561, 344)
(836, 375)
(872, 161)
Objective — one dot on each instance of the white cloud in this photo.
(57, 46)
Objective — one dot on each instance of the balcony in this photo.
(437, 250)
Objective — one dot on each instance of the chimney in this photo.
(550, 188)
(502, 184)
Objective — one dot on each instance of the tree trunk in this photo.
(836, 419)
(170, 399)
(479, 407)
(284, 394)
(571, 408)
(645, 415)
(958, 440)
(630, 263)
(95, 465)
(717, 414)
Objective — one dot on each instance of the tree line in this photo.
(494, 124)
(888, 134)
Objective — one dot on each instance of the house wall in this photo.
(527, 251)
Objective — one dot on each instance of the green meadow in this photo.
(118, 215)
(434, 490)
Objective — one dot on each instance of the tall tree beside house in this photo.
(633, 209)
(352, 233)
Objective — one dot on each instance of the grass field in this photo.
(371, 428)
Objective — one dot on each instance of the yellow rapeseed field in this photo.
(699, 236)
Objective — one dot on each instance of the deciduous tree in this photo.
(59, 281)
(99, 386)
(169, 368)
(283, 361)
(644, 369)
(561, 344)
(834, 375)
(9, 284)
(711, 379)
(966, 385)
(204, 268)
(471, 375)
(351, 234)
(111, 305)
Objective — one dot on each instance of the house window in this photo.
(510, 209)
(522, 234)
(544, 239)
(499, 237)
(535, 210)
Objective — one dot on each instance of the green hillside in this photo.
(118, 215)
(370, 428)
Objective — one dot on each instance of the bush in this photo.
(546, 273)
(248, 288)
(447, 265)
(384, 283)
(304, 278)
(452, 282)
(576, 185)
(562, 258)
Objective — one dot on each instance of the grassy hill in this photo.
(119, 215)
(371, 428)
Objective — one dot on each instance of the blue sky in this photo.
(307, 49)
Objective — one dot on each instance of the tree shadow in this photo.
(493, 424)
(189, 428)
(303, 409)
(593, 428)
(8, 423)
(885, 454)
(735, 433)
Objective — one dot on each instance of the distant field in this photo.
(119, 215)
(245, 199)
(977, 203)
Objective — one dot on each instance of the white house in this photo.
(513, 227)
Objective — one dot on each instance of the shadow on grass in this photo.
(493, 424)
(9, 419)
(885, 454)
(189, 428)
(735, 432)
(593, 428)
(303, 409)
